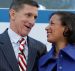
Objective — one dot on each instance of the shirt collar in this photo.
(44, 59)
(15, 37)
(69, 50)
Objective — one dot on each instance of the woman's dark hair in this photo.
(18, 4)
(68, 21)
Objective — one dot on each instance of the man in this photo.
(23, 14)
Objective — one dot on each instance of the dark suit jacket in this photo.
(8, 61)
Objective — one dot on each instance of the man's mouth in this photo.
(28, 27)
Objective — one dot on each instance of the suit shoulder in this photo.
(37, 44)
(36, 41)
(4, 33)
(1, 36)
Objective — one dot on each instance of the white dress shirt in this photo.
(14, 38)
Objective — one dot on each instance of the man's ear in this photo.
(12, 13)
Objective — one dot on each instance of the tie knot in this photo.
(22, 44)
(21, 40)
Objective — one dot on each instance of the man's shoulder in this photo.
(3, 35)
(37, 44)
(35, 41)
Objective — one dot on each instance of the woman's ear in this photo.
(67, 32)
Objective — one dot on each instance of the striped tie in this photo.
(22, 58)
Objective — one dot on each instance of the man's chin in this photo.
(23, 35)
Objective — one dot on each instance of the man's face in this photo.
(23, 20)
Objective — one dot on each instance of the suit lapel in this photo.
(31, 54)
(9, 52)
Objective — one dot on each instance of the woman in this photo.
(61, 33)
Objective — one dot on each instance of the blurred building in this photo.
(41, 7)
(58, 4)
(49, 4)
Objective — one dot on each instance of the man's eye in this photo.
(29, 15)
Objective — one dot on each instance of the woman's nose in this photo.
(47, 27)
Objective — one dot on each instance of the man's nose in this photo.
(32, 21)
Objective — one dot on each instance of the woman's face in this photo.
(55, 30)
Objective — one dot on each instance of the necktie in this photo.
(22, 58)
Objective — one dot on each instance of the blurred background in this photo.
(49, 4)
(46, 8)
